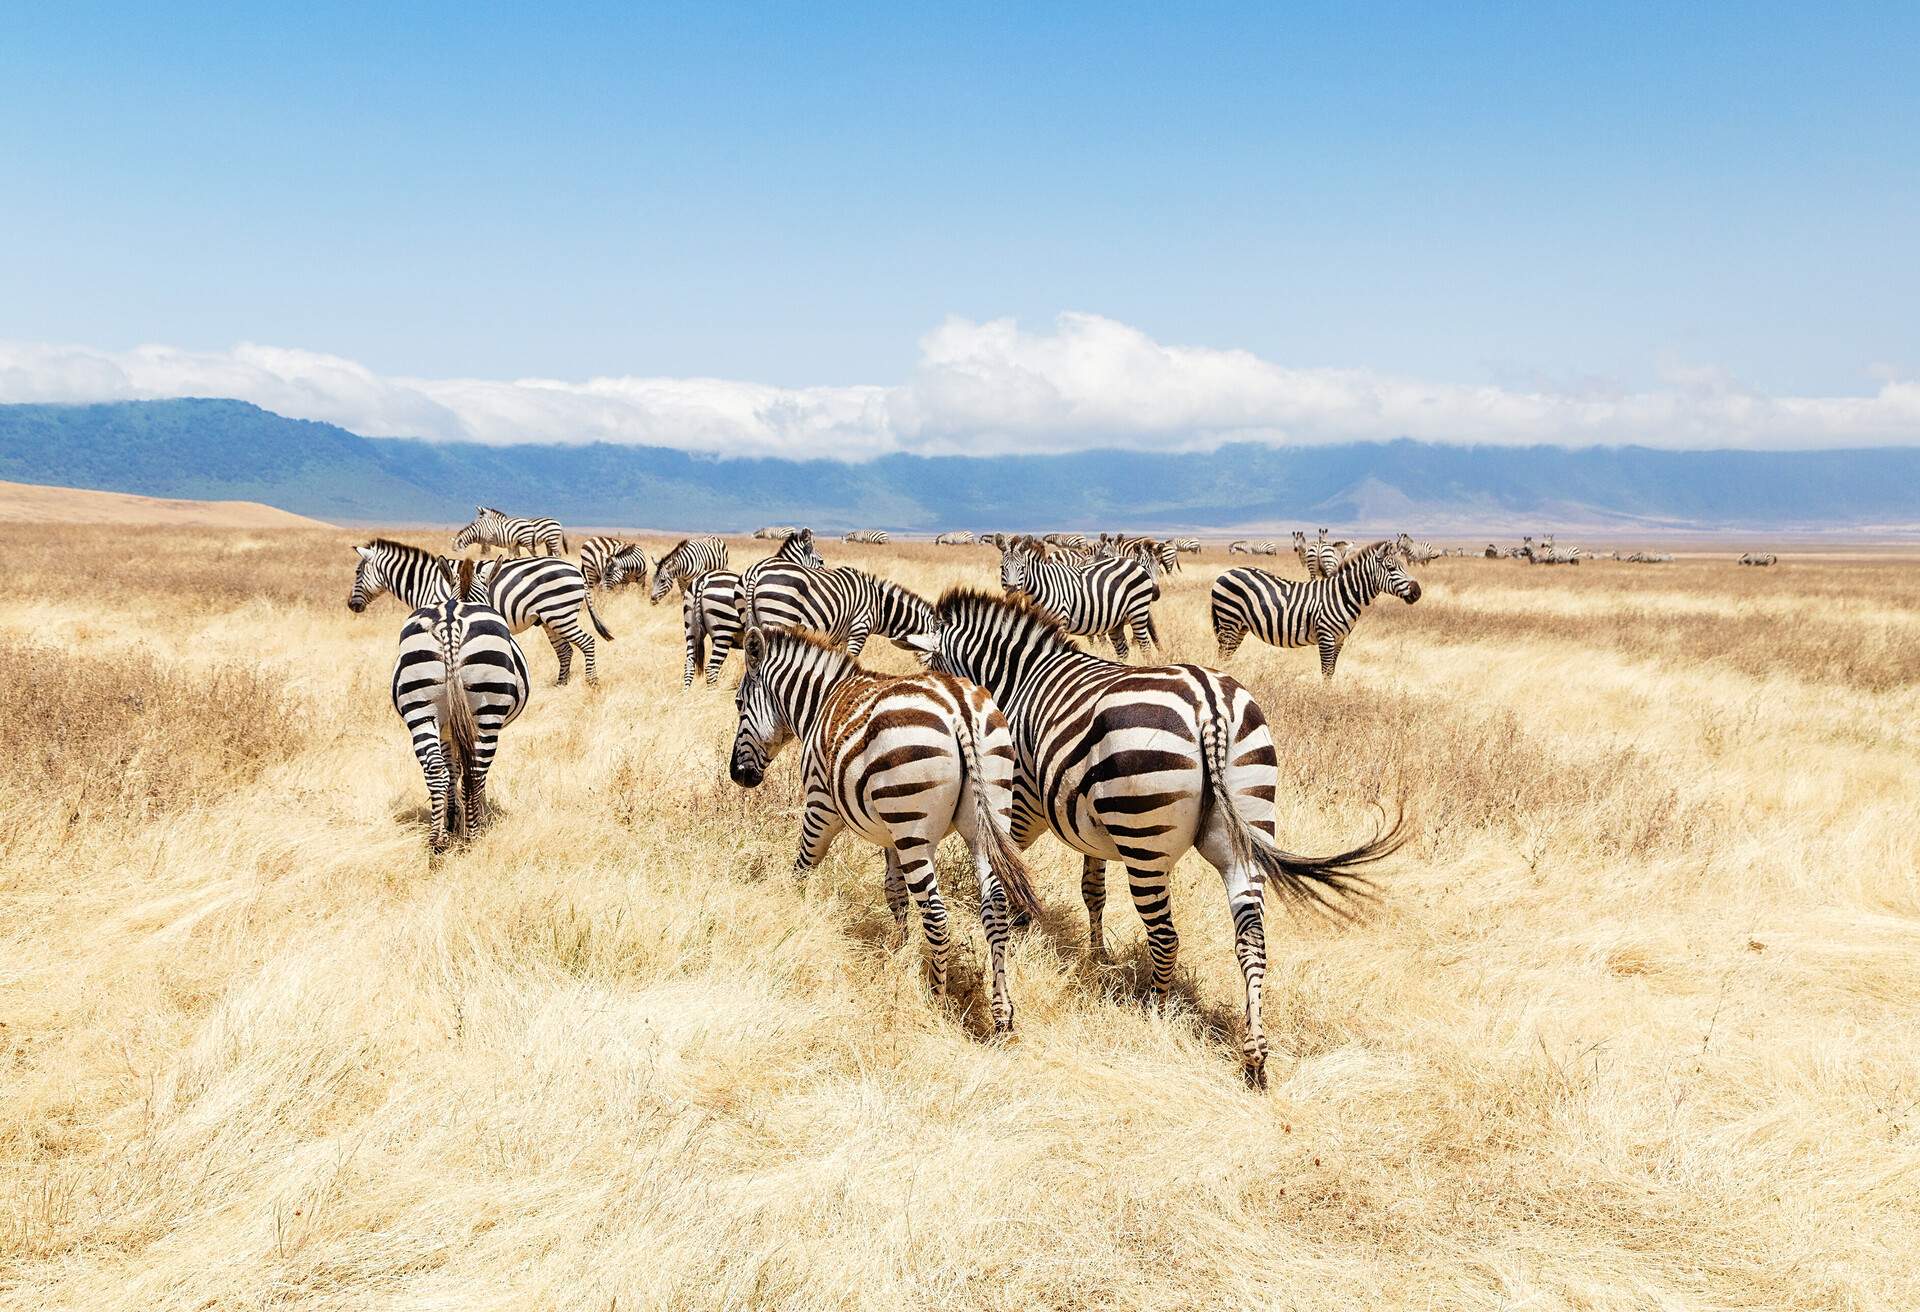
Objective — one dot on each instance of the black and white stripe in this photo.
(902, 761)
(1105, 596)
(1139, 766)
(710, 622)
(954, 538)
(1759, 558)
(1251, 547)
(871, 536)
(458, 680)
(797, 549)
(1292, 613)
(843, 605)
(774, 532)
(527, 590)
(1187, 546)
(688, 560)
(607, 562)
(492, 528)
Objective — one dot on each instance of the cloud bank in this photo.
(978, 389)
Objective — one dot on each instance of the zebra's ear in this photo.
(754, 649)
(926, 642)
(365, 553)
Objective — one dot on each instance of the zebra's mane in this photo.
(681, 544)
(404, 548)
(1016, 613)
(783, 637)
(1371, 549)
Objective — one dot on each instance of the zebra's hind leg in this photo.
(924, 884)
(440, 793)
(1118, 637)
(717, 657)
(563, 652)
(696, 657)
(476, 775)
(1093, 891)
(1144, 636)
(993, 918)
(897, 898)
(1150, 899)
(1243, 888)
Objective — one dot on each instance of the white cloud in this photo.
(980, 388)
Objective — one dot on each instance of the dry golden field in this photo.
(1634, 1024)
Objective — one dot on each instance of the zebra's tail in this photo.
(594, 615)
(1003, 858)
(459, 731)
(1335, 883)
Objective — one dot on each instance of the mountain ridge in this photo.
(213, 448)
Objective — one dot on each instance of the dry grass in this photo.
(1637, 1023)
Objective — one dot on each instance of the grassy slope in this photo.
(1634, 1025)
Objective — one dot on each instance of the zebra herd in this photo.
(1010, 729)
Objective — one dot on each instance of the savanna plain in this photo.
(1634, 1020)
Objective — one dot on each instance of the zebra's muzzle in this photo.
(356, 605)
(1413, 593)
(747, 774)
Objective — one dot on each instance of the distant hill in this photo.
(232, 450)
(36, 503)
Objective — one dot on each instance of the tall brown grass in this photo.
(1633, 1024)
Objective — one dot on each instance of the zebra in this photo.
(687, 561)
(1493, 552)
(872, 536)
(710, 618)
(843, 605)
(1247, 547)
(598, 557)
(956, 538)
(775, 532)
(1138, 765)
(1105, 596)
(459, 679)
(796, 548)
(1650, 557)
(526, 590)
(1159, 557)
(491, 528)
(1078, 541)
(1759, 558)
(1187, 546)
(902, 761)
(1289, 613)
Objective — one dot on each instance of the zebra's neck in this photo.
(802, 686)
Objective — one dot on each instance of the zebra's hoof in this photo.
(1256, 1075)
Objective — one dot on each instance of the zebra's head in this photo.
(763, 729)
(1016, 568)
(467, 536)
(625, 566)
(369, 579)
(1394, 576)
(800, 547)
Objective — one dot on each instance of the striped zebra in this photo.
(1759, 558)
(491, 528)
(1078, 541)
(902, 761)
(1106, 596)
(458, 680)
(870, 536)
(1290, 613)
(608, 562)
(842, 605)
(1250, 547)
(1187, 546)
(1159, 557)
(687, 561)
(1650, 557)
(526, 590)
(796, 549)
(1138, 765)
(956, 538)
(775, 532)
(710, 623)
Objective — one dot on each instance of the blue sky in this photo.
(1582, 200)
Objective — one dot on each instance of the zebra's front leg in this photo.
(897, 898)
(857, 636)
(1151, 900)
(563, 652)
(1329, 652)
(819, 824)
(1093, 891)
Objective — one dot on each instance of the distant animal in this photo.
(1650, 557)
(1107, 596)
(1317, 612)
(902, 761)
(1759, 558)
(1247, 547)
(775, 532)
(459, 679)
(608, 562)
(1078, 541)
(873, 536)
(796, 549)
(526, 590)
(842, 605)
(956, 538)
(1159, 557)
(686, 561)
(710, 623)
(491, 528)
(1140, 765)
(1187, 546)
